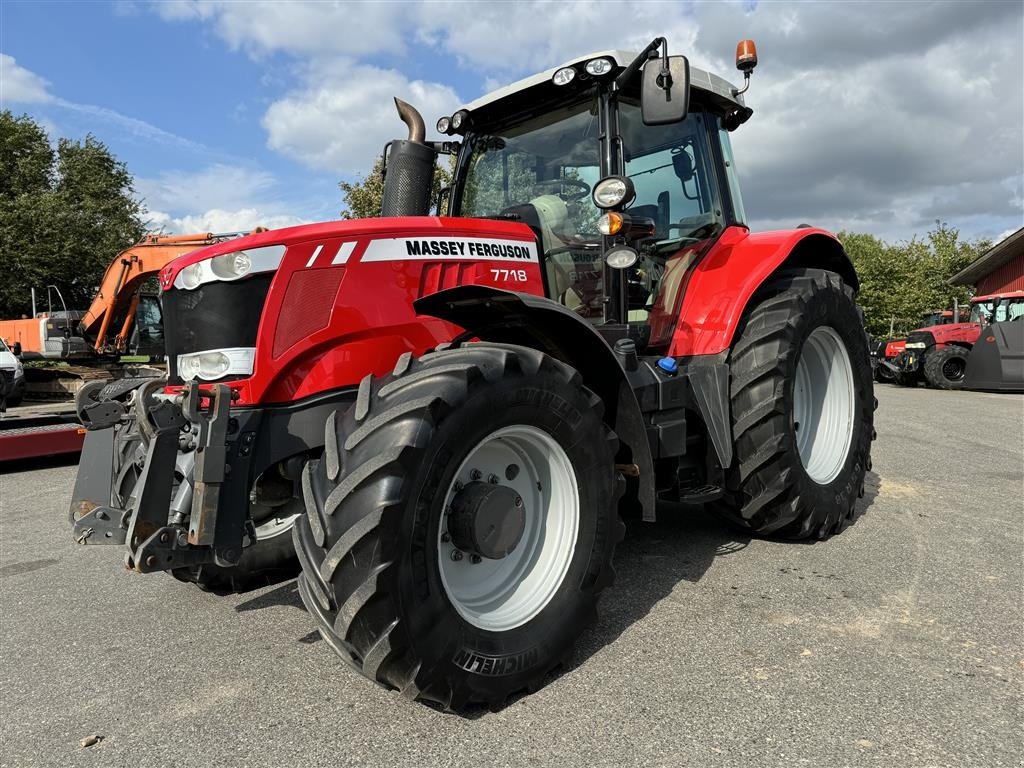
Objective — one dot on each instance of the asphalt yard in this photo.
(897, 643)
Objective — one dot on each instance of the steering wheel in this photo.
(579, 189)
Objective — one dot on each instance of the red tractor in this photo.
(888, 351)
(447, 415)
(938, 354)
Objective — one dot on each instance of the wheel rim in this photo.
(953, 369)
(501, 594)
(823, 405)
(278, 521)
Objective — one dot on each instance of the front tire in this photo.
(945, 368)
(802, 409)
(392, 568)
(269, 560)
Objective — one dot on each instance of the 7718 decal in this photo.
(509, 275)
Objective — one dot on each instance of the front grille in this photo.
(213, 316)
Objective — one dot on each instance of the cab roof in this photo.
(705, 81)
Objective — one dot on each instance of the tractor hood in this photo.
(952, 332)
(275, 314)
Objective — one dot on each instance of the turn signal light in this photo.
(610, 223)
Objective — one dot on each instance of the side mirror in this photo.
(16, 349)
(665, 99)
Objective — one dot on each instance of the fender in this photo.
(723, 282)
(492, 314)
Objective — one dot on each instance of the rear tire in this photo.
(801, 353)
(380, 528)
(945, 368)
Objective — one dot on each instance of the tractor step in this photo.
(700, 494)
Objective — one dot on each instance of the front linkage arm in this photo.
(157, 542)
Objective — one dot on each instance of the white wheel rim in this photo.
(499, 595)
(275, 525)
(823, 405)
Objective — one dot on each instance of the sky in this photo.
(871, 116)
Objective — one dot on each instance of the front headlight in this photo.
(612, 191)
(621, 257)
(216, 363)
(191, 276)
(914, 345)
(598, 67)
(230, 266)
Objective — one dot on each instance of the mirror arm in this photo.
(665, 76)
(630, 72)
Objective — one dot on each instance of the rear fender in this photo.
(723, 282)
(491, 314)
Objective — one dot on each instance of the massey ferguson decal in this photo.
(464, 248)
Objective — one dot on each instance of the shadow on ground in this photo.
(650, 561)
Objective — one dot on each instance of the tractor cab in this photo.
(621, 201)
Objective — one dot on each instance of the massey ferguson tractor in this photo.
(447, 415)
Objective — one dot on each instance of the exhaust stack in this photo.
(409, 173)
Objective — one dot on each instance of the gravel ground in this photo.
(898, 643)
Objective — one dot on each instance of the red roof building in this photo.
(999, 270)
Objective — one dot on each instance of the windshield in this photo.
(1004, 310)
(549, 161)
(541, 171)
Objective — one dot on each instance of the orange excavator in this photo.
(117, 301)
(118, 333)
(106, 328)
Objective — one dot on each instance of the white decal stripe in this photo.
(341, 257)
(450, 249)
(316, 252)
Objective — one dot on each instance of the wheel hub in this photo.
(487, 520)
(510, 520)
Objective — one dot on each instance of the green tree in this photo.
(63, 215)
(363, 198)
(901, 282)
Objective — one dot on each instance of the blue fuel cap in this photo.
(668, 365)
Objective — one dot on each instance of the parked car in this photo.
(11, 365)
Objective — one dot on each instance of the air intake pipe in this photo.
(409, 173)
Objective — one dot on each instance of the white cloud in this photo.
(342, 124)
(880, 118)
(218, 220)
(217, 185)
(217, 198)
(333, 28)
(19, 85)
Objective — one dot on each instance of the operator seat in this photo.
(548, 216)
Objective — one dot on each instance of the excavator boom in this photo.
(118, 294)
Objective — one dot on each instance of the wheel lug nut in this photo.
(492, 479)
(446, 537)
(456, 555)
(476, 474)
(474, 559)
(519, 501)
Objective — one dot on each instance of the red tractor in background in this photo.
(448, 414)
(889, 350)
(938, 354)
